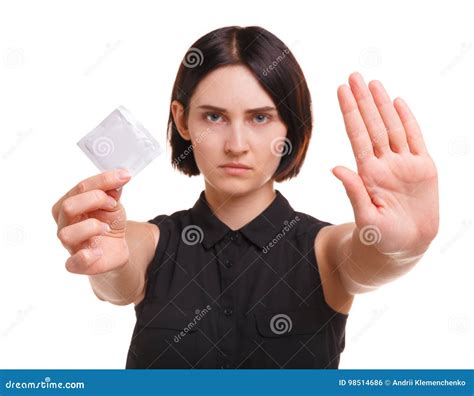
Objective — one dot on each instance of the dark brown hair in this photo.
(277, 71)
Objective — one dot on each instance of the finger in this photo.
(103, 181)
(114, 193)
(396, 133)
(415, 139)
(81, 204)
(370, 114)
(74, 235)
(354, 124)
(355, 190)
(81, 262)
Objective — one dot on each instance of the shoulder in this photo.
(167, 224)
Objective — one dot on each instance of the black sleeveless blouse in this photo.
(249, 298)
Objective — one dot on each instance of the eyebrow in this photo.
(258, 109)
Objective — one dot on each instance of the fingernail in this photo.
(96, 252)
(124, 174)
(112, 202)
(106, 227)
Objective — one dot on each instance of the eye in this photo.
(214, 115)
(261, 118)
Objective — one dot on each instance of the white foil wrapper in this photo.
(120, 141)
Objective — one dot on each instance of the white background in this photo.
(64, 66)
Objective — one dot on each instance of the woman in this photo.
(241, 279)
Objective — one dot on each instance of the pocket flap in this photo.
(287, 323)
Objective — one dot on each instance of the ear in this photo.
(179, 119)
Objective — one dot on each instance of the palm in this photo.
(394, 192)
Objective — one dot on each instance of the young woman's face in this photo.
(232, 119)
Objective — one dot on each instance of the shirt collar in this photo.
(259, 231)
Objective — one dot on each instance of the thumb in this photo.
(355, 188)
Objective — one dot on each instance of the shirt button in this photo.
(228, 311)
(228, 263)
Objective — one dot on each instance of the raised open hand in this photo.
(394, 193)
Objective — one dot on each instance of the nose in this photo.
(236, 142)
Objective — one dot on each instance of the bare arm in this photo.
(126, 284)
(362, 268)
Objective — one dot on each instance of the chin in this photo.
(233, 186)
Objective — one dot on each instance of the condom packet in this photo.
(120, 141)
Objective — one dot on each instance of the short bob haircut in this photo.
(277, 71)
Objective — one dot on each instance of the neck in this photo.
(237, 210)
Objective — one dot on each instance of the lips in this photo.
(235, 165)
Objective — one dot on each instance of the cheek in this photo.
(266, 160)
(206, 149)
(268, 147)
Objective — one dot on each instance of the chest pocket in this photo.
(298, 338)
(165, 336)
